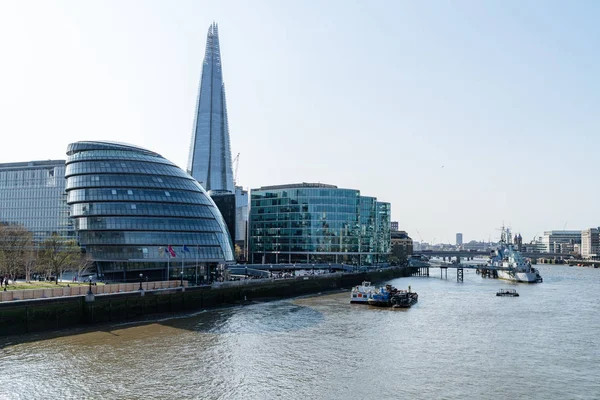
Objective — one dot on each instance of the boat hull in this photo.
(525, 277)
(359, 300)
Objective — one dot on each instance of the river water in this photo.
(460, 341)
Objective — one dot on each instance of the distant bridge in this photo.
(478, 253)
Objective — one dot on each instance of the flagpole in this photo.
(197, 247)
(168, 262)
(182, 257)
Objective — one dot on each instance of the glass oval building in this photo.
(136, 212)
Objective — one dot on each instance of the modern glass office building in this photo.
(32, 194)
(210, 153)
(136, 212)
(317, 223)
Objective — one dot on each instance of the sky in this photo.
(464, 115)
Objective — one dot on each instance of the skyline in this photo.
(376, 98)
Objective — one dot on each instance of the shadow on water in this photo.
(254, 317)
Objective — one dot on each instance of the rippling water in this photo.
(459, 341)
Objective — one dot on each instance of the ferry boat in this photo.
(360, 294)
(518, 269)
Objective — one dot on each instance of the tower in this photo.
(210, 153)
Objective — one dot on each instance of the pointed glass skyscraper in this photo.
(210, 153)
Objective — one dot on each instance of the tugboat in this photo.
(507, 293)
(404, 299)
(392, 297)
(381, 297)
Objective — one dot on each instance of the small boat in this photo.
(360, 294)
(507, 293)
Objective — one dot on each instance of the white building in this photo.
(551, 239)
(590, 243)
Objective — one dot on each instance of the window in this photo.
(114, 191)
(167, 194)
(130, 192)
(133, 207)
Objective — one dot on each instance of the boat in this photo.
(389, 296)
(381, 297)
(404, 299)
(507, 293)
(361, 293)
(512, 266)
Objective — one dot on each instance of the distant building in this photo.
(241, 219)
(459, 239)
(479, 246)
(552, 240)
(32, 194)
(590, 243)
(317, 223)
(394, 226)
(402, 246)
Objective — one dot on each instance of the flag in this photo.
(171, 251)
(185, 249)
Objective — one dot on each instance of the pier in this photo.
(486, 271)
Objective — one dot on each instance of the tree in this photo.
(239, 254)
(16, 246)
(82, 264)
(58, 254)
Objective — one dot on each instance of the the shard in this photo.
(210, 153)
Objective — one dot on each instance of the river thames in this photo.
(459, 341)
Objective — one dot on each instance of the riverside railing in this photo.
(82, 290)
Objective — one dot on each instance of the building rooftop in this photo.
(297, 185)
(32, 164)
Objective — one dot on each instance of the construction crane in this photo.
(420, 238)
(236, 162)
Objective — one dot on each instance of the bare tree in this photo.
(83, 264)
(15, 247)
(58, 254)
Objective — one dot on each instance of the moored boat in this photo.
(404, 299)
(512, 266)
(381, 297)
(392, 297)
(361, 293)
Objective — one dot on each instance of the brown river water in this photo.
(459, 341)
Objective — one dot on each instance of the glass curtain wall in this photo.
(311, 223)
(137, 213)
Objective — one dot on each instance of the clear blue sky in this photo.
(505, 95)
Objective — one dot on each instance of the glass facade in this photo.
(317, 223)
(210, 153)
(32, 194)
(129, 205)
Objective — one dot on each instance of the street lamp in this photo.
(90, 289)
(141, 278)
(181, 278)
